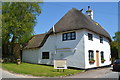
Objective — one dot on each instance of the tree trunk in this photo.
(12, 44)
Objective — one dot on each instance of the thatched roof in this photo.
(35, 41)
(73, 20)
(76, 20)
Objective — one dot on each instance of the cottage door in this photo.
(97, 58)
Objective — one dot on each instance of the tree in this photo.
(18, 21)
(115, 45)
(114, 49)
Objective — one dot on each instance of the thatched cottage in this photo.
(75, 37)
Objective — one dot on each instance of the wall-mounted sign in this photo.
(60, 64)
(65, 49)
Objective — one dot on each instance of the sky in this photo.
(105, 13)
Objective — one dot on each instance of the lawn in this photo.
(37, 70)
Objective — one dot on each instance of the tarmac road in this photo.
(97, 73)
(112, 75)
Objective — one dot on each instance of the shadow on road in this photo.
(115, 70)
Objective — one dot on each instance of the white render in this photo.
(30, 55)
(96, 45)
(75, 51)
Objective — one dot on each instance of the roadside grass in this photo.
(38, 70)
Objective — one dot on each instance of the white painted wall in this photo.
(49, 46)
(74, 55)
(77, 55)
(96, 45)
(75, 58)
(30, 55)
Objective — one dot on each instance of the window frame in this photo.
(90, 55)
(102, 55)
(64, 37)
(90, 36)
(101, 39)
(45, 57)
(69, 36)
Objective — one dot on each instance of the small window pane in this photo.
(73, 34)
(68, 37)
(45, 55)
(64, 35)
(73, 37)
(102, 55)
(101, 39)
(90, 36)
(65, 38)
(68, 34)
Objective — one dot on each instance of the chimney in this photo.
(88, 8)
(89, 12)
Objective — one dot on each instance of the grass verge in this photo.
(37, 70)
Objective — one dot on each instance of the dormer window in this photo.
(90, 37)
(69, 36)
(101, 39)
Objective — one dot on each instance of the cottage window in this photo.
(91, 54)
(90, 36)
(69, 36)
(64, 36)
(73, 36)
(45, 55)
(101, 39)
(102, 55)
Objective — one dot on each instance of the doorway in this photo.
(97, 58)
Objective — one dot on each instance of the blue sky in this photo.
(105, 13)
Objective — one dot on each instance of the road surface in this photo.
(112, 75)
(97, 73)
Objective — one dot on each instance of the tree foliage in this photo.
(18, 21)
(115, 45)
(114, 49)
